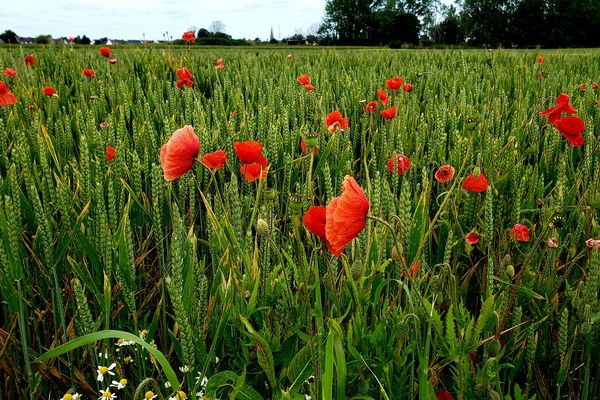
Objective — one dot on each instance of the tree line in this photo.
(508, 23)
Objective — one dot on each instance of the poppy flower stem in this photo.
(398, 243)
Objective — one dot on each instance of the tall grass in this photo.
(90, 246)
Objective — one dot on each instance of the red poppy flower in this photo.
(444, 395)
(394, 83)
(582, 87)
(540, 59)
(48, 90)
(10, 72)
(215, 160)
(6, 97)
(110, 153)
(472, 237)
(591, 243)
(304, 148)
(189, 37)
(402, 163)
(303, 79)
(540, 74)
(89, 72)
(71, 38)
(254, 171)
(219, 64)
(594, 85)
(105, 52)
(408, 87)
(383, 97)
(315, 220)
(185, 78)
(346, 215)
(520, 232)
(562, 106)
(389, 113)
(571, 128)
(113, 61)
(335, 120)
(444, 174)
(30, 60)
(309, 87)
(371, 106)
(475, 184)
(177, 156)
(248, 152)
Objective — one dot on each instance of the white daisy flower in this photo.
(69, 396)
(149, 395)
(179, 396)
(102, 370)
(106, 395)
(103, 355)
(119, 384)
(184, 369)
(123, 342)
(167, 384)
(201, 379)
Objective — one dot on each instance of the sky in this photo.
(132, 19)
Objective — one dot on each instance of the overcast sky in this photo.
(130, 19)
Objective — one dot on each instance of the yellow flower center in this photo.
(149, 394)
(103, 370)
(123, 382)
(181, 395)
(68, 397)
(106, 393)
(120, 341)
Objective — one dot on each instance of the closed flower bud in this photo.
(271, 194)
(510, 271)
(312, 139)
(494, 347)
(395, 254)
(262, 227)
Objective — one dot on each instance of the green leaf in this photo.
(299, 369)
(229, 379)
(263, 353)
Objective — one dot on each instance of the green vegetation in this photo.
(220, 278)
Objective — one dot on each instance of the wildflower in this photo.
(402, 163)
(102, 370)
(591, 243)
(444, 395)
(48, 91)
(184, 369)
(185, 78)
(562, 106)
(10, 72)
(594, 85)
(179, 396)
(371, 106)
(143, 333)
(123, 342)
(177, 156)
(248, 152)
(444, 174)
(383, 97)
(552, 243)
(107, 395)
(335, 120)
(253, 171)
(30, 60)
(110, 153)
(219, 64)
(119, 384)
(105, 52)
(389, 113)
(472, 237)
(520, 232)
(304, 147)
(88, 72)
(290, 57)
(167, 384)
(113, 61)
(540, 59)
(6, 96)
(149, 395)
(582, 87)
(309, 87)
(128, 360)
(394, 83)
(303, 79)
(408, 87)
(346, 215)
(215, 160)
(69, 396)
(476, 182)
(203, 380)
(571, 128)
(189, 37)
(414, 269)
(71, 39)
(315, 220)
(103, 355)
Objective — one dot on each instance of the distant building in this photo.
(26, 40)
(271, 37)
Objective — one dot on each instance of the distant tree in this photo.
(217, 26)
(449, 30)
(102, 40)
(83, 40)
(203, 33)
(43, 39)
(9, 37)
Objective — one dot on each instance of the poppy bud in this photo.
(595, 85)
(476, 171)
(296, 202)
(510, 271)
(262, 227)
(493, 347)
(271, 194)
(395, 254)
(357, 270)
(312, 139)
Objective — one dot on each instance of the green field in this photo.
(214, 276)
